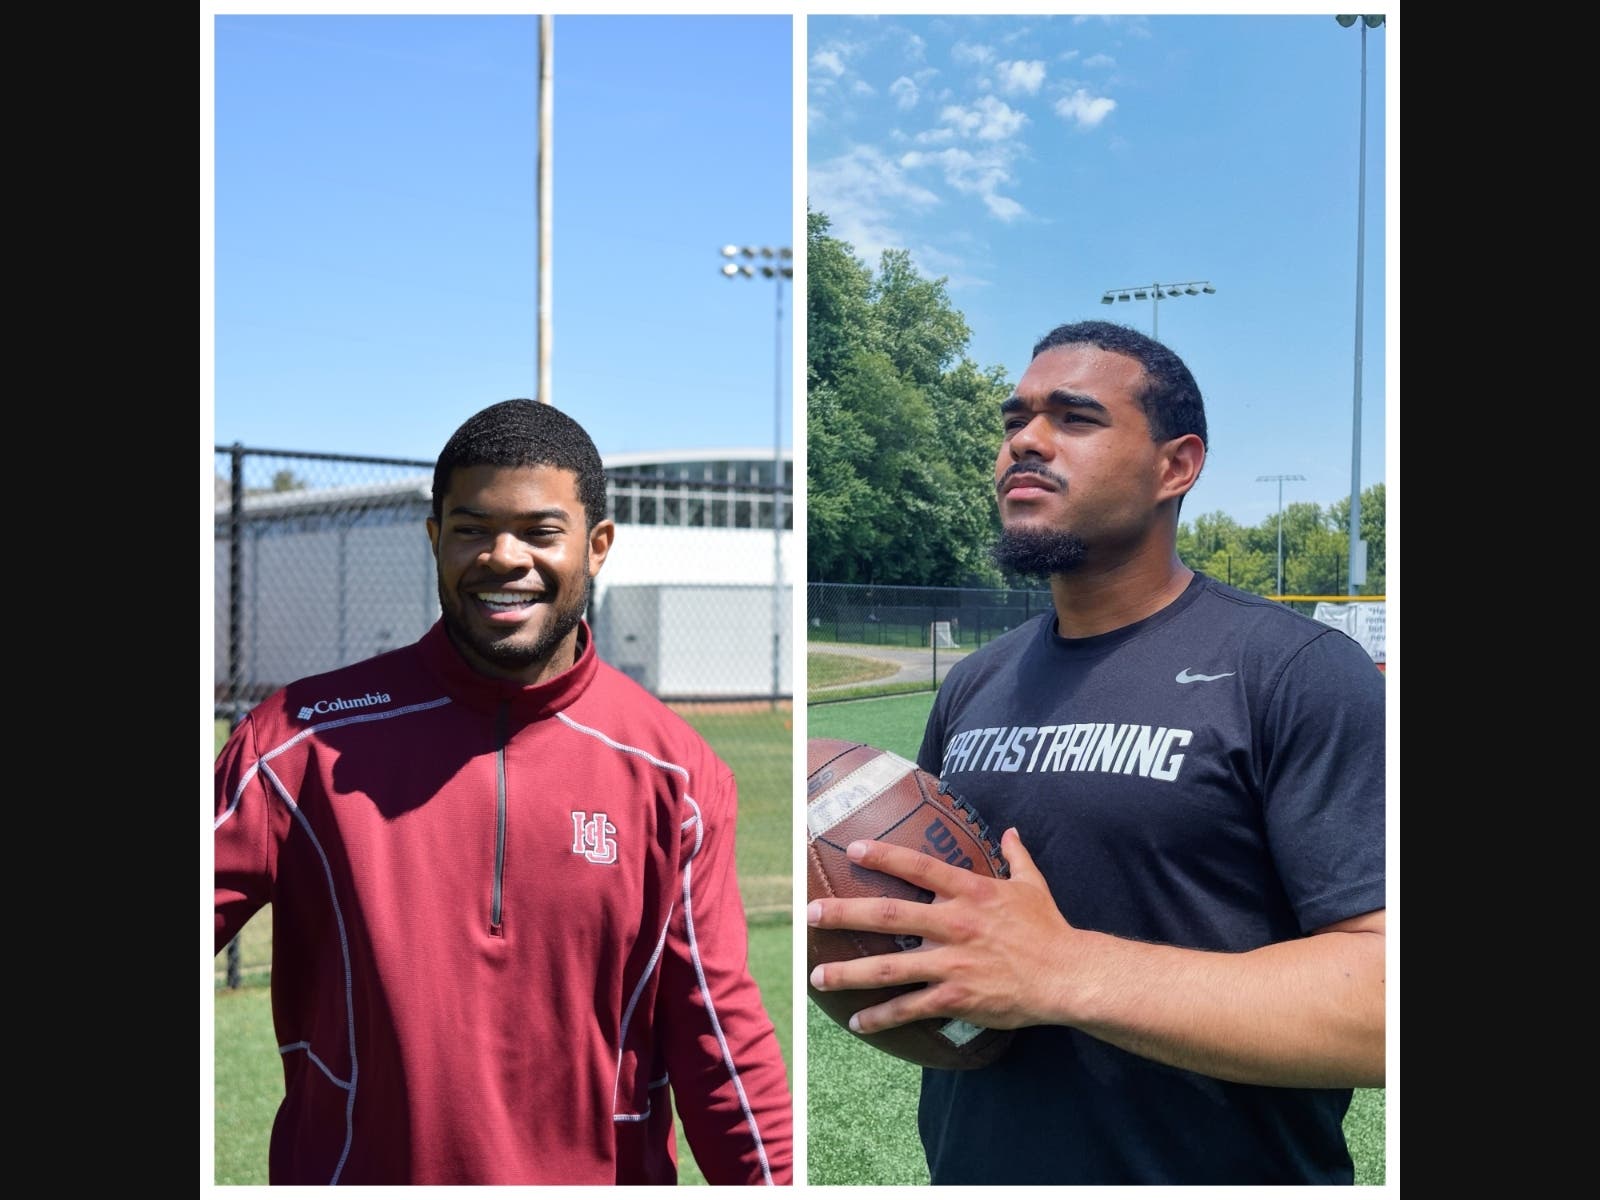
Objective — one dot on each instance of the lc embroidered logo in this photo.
(591, 837)
(1186, 676)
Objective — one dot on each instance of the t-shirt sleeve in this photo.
(725, 1065)
(1323, 745)
(931, 755)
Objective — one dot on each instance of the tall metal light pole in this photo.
(1358, 548)
(1156, 291)
(777, 264)
(1279, 479)
(546, 124)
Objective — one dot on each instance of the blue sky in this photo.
(375, 227)
(370, 219)
(1038, 161)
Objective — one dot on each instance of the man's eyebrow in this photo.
(1061, 397)
(537, 514)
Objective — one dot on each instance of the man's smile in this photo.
(508, 604)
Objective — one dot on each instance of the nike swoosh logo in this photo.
(1185, 676)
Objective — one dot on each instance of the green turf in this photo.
(846, 1079)
(870, 691)
(830, 670)
(894, 723)
(861, 1111)
(248, 1084)
(759, 746)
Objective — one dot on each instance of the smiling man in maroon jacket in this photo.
(507, 933)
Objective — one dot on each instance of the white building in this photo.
(686, 603)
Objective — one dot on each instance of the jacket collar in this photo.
(529, 702)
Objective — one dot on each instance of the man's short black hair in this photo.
(1171, 398)
(524, 433)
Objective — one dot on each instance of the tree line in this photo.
(901, 432)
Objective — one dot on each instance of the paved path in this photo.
(911, 663)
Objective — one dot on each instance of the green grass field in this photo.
(831, 670)
(861, 1105)
(757, 745)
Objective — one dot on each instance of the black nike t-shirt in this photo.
(1211, 777)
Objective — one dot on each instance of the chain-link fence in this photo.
(868, 639)
(323, 560)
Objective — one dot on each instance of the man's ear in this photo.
(1180, 468)
(600, 538)
(433, 538)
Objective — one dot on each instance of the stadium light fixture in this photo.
(1358, 548)
(1279, 479)
(1158, 292)
(778, 266)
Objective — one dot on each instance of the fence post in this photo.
(235, 631)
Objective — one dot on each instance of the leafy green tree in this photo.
(838, 308)
(838, 498)
(896, 538)
(1373, 526)
(901, 426)
(967, 407)
(1316, 548)
(918, 329)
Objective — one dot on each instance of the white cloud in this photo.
(829, 61)
(1083, 110)
(981, 174)
(904, 92)
(915, 47)
(988, 119)
(971, 53)
(929, 137)
(1003, 207)
(1020, 76)
(862, 191)
(862, 88)
(1100, 60)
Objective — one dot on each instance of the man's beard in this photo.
(1027, 550)
(505, 653)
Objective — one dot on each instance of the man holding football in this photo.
(507, 933)
(1190, 778)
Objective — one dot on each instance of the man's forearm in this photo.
(1304, 1013)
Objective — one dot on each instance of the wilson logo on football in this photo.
(942, 843)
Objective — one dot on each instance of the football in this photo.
(854, 791)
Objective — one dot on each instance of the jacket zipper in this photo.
(497, 897)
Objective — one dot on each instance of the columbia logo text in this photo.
(323, 707)
(591, 837)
